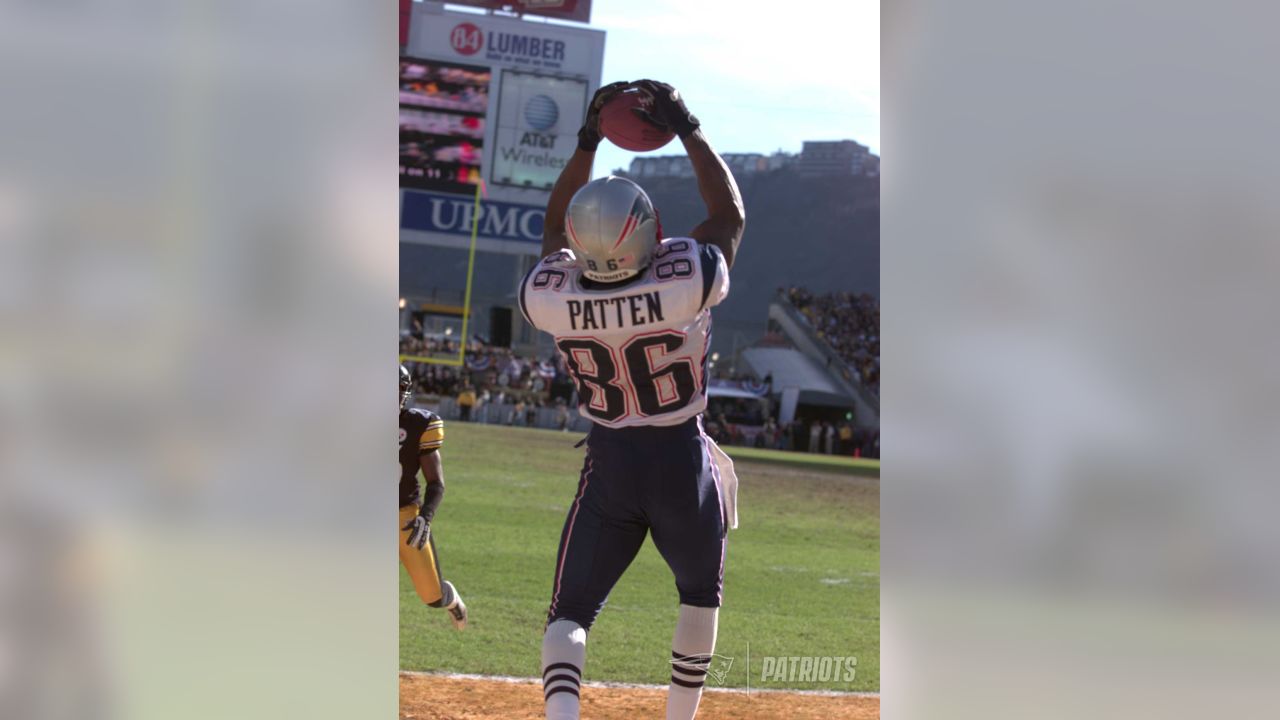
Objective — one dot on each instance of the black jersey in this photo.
(421, 432)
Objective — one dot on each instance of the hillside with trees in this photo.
(822, 233)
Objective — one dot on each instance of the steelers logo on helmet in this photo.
(613, 229)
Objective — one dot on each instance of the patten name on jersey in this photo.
(617, 312)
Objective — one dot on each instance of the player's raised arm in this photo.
(576, 173)
(725, 215)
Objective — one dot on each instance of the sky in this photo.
(760, 76)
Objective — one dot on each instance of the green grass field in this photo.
(802, 576)
(854, 466)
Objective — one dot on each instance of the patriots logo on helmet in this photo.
(639, 213)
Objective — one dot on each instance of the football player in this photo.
(631, 314)
(421, 435)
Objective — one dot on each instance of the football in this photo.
(628, 131)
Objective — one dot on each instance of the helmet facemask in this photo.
(406, 387)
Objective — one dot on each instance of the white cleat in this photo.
(457, 613)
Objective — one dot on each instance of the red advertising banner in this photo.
(406, 12)
(576, 10)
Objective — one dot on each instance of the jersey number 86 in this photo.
(603, 387)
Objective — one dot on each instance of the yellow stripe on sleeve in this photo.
(432, 437)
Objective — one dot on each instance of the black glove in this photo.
(589, 136)
(419, 530)
(668, 109)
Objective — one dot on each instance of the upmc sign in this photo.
(452, 215)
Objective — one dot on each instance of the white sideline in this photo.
(633, 686)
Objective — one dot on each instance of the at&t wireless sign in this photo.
(537, 129)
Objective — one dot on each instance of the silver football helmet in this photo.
(612, 228)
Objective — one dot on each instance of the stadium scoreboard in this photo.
(492, 100)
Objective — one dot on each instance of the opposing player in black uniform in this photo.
(421, 435)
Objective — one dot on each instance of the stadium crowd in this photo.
(490, 372)
(495, 377)
(850, 324)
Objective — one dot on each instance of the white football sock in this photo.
(449, 597)
(564, 651)
(691, 648)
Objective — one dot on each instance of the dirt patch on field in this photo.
(425, 697)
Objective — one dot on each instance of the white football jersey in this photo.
(637, 350)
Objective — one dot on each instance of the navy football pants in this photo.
(637, 480)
